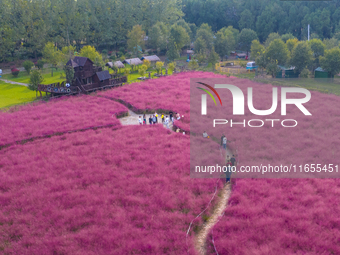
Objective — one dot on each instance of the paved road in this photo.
(14, 82)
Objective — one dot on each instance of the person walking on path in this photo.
(167, 122)
(150, 120)
(162, 118)
(140, 120)
(144, 119)
(224, 142)
(233, 160)
(171, 118)
(154, 120)
(156, 115)
(228, 172)
(205, 135)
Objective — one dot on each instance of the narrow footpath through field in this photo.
(14, 82)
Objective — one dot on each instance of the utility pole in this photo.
(308, 32)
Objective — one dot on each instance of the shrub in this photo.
(243, 64)
(172, 66)
(15, 71)
(147, 63)
(159, 66)
(40, 64)
(193, 64)
(142, 70)
(28, 66)
(304, 73)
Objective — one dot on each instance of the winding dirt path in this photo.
(14, 82)
(201, 238)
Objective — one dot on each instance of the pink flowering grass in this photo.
(125, 191)
(286, 216)
(171, 93)
(58, 115)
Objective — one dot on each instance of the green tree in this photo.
(277, 50)
(159, 66)
(271, 37)
(256, 49)
(201, 57)
(136, 38)
(180, 35)
(247, 20)
(286, 37)
(205, 33)
(51, 55)
(318, 49)
(35, 79)
(200, 45)
(142, 70)
(272, 67)
(331, 61)
(331, 43)
(69, 73)
(245, 38)
(28, 66)
(193, 65)
(172, 66)
(213, 58)
(172, 52)
(301, 56)
(91, 53)
(291, 44)
(221, 44)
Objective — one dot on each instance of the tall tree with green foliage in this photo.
(28, 66)
(286, 37)
(205, 33)
(290, 43)
(200, 45)
(172, 52)
(51, 55)
(35, 79)
(271, 37)
(245, 38)
(136, 38)
(277, 50)
(180, 35)
(318, 49)
(91, 53)
(256, 49)
(69, 73)
(301, 56)
(213, 57)
(221, 44)
(331, 61)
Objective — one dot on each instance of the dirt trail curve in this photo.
(201, 238)
(13, 82)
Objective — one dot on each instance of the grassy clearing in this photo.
(14, 94)
(23, 77)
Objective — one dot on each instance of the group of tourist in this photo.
(153, 119)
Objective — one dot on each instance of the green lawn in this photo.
(14, 94)
(23, 77)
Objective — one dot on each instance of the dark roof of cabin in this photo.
(103, 75)
(78, 61)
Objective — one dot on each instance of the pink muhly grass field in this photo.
(100, 192)
(286, 216)
(166, 93)
(58, 115)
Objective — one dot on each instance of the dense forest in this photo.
(27, 25)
